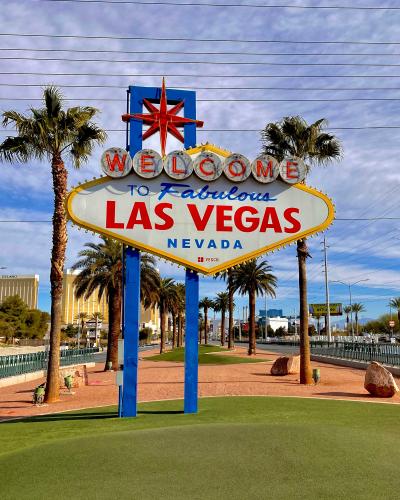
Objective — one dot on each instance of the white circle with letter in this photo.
(178, 165)
(147, 163)
(265, 168)
(292, 170)
(208, 166)
(237, 167)
(116, 162)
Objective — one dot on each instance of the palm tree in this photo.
(101, 272)
(227, 276)
(221, 304)
(97, 316)
(395, 303)
(205, 304)
(357, 308)
(166, 298)
(294, 137)
(347, 310)
(178, 311)
(81, 319)
(51, 133)
(253, 278)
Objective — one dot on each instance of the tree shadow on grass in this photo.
(59, 417)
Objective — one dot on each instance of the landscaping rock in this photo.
(379, 381)
(286, 365)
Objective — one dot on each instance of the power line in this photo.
(218, 63)
(243, 5)
(309, 89)
(230, 130)
(202, 53)
(189, 75)
(189, 39)
(100, 99)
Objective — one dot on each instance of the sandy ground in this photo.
(164, 380)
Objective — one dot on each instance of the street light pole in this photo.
(328, 312)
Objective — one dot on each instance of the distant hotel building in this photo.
(25, 286)
(72, 307)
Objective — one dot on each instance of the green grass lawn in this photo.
(206, 356)
(234, 448)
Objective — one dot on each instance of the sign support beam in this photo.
(191, 341)
(131, 332)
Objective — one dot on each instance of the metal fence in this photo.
(388, 354)
(18, 364)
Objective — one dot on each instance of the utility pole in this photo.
(328, 311)
(266, 316)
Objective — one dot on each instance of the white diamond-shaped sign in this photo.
(204, 226)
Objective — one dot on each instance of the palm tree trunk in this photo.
(174, 341)
(231, 338)
(59, 174)
(305, 361)
(252, 323)
(114, 327)
(164, 318)
(180, 330)
(357, 324)
(205, 326)
(223, 328)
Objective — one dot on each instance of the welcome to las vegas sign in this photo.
(204, 208)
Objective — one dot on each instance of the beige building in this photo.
(72, 307)
(25, 286)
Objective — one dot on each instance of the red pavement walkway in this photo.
(164, 380)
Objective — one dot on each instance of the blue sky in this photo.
(366, 183)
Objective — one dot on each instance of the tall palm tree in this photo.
(205, 304)
(357, 308)
(101, 273)
(347, 311)
(166, 298)
(52, 133)
(221, 304)
(293, 136)
(178, 310)
(227, 276)
(253, 279)
(395, 303)
(81, 319)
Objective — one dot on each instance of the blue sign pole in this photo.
(131, 332)
(191, 341)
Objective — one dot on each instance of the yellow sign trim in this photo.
(191, 265)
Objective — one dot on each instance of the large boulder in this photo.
(379, 381)
(286, 365)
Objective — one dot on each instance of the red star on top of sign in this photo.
(162, 119)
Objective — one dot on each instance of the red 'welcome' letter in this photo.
(175, 169)
(296, 225)
(233, 172)
(201, 166)
(264, 171)
(110, 217)
(222, 217)
(291, 169)
(116, 161)
(200, 222)
(168, 220)
(145, 163)
(139, 216)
